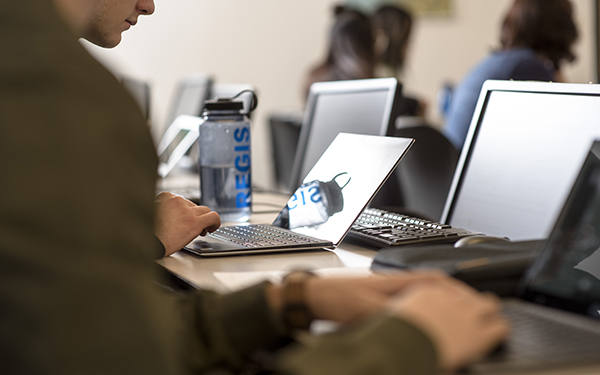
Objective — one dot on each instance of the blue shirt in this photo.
(517, 64)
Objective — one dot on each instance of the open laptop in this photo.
(323, 208)
(526, 143)
(556, 320)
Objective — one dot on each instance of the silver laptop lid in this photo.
(341, 185)
(523, 151)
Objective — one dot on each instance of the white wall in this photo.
(271, 44)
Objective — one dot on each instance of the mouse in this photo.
(471, 240)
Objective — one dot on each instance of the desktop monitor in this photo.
(189, 97)
(525, 146)
(356, 106)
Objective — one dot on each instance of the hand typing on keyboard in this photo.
(178, 221)
(461, 323)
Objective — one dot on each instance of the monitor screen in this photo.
(567, 273)
(526, 147)
(359, 106)
(189, 97)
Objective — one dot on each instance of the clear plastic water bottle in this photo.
(224, 158)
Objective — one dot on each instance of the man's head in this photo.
(102, 21)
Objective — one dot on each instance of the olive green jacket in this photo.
(77, 290)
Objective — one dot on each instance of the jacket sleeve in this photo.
(384, 345)
(225, 330)
(229, 328)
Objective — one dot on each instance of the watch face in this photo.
(295, 312)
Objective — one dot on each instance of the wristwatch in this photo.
(295, 311)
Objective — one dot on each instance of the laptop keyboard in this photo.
(379, 227)
(536, 336)
(262, 236)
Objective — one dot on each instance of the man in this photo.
(77, 239)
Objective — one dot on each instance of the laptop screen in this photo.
(525, 145)
(354, 106)
(567, 273)
(341, 184)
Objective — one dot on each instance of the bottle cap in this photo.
(223, 105)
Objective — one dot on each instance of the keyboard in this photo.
(262, 236)
(384, 228)
(538, 337)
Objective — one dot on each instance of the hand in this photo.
(348, 300)
(178, 221)
(462, 323)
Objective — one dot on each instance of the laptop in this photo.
(321, 211)
(556, 320)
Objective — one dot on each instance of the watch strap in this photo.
(295, 312)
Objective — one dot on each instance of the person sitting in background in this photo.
(392, 26)
(350, 52)
(536, 39)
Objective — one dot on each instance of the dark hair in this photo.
(546, 26)
(396, 24)
(350, 54)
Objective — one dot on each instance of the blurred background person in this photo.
(536, 40)
(392, 27)
(351, 50)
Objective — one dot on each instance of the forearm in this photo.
(380, 345)
(229, 328)
(383, 345)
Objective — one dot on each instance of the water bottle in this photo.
(224, 158)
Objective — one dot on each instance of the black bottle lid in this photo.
(223, 105)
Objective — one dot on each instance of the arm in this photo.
(432, 323)
(227, 329)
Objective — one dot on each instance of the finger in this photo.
(210, 222)
(392, 284)
(187, 202)
(166, 196)
(492, 296)
(201, 210)
(407, 276)
(458, 288)
(490, 302)
(163, 196)
(493, 332)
